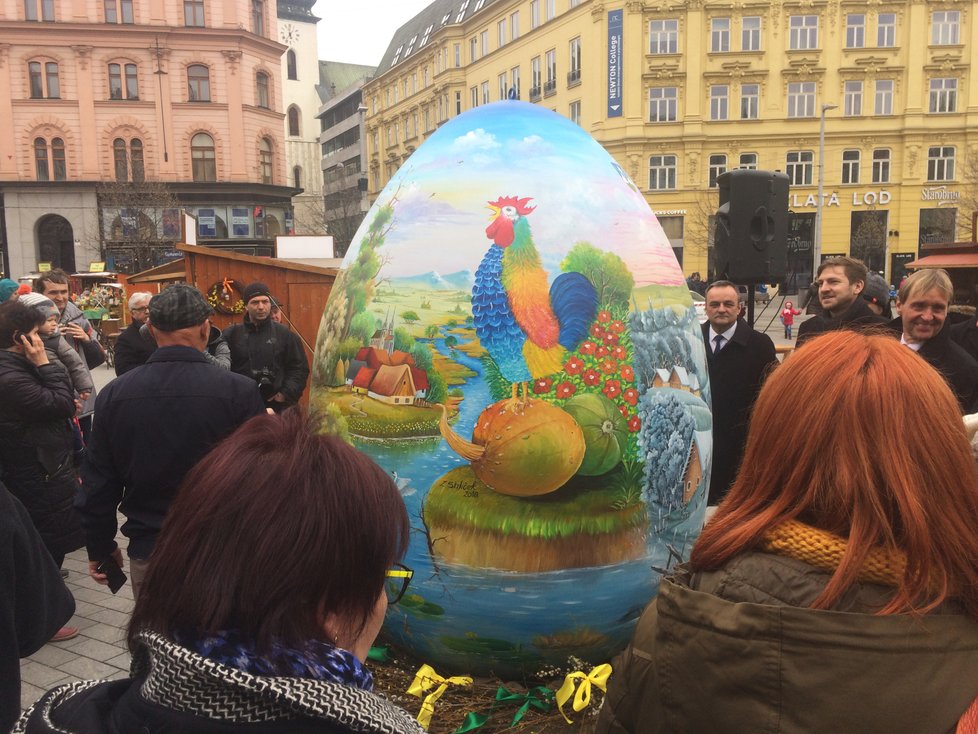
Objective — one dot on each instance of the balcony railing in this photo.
(550, 87)
(573, 77)
(534, 94)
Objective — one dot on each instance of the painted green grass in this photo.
(661, 295)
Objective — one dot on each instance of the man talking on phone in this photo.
(154, 423)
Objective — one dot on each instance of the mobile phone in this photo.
(114, 574)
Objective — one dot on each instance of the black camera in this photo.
(266, 383)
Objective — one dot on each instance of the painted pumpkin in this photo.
(605, 432)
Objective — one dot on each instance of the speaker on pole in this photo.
(751, 236)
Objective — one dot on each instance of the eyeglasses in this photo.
(398, 580)
(141, 308)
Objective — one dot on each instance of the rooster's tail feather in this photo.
(574, 303)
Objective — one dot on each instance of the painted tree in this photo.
(410, 316)
(607, 272)
(665, 442)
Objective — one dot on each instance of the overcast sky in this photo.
(358, 31)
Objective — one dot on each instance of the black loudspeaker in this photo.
(751, 238)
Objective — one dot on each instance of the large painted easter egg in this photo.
(512, 339)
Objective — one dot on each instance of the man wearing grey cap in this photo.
(154, 424)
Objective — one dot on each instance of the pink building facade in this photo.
(182, 92)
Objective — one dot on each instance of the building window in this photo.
(203, 161)
(852, 96)
(297, 177)
(663, 36)
(265, 160)
(551, 9)
(718, 165)
(258, 17)
(801, 99)
(748, 161)
(855, 30)
(574, 74)
(574, 112)
(536, 78)
(128, 160)
(886, 30)
(116, 10)
(937, 225)
(261, 90)
(550, 87)
(44, 80)
(945, 27)
(804, 32)
(881, 165)
(503, 88)
(199, 83)
(514, 26)
(483, 43)
(534, 13)
(458, 103)
(39, 10)
(514, 76)
(750, 35)
(850, 166)
(884, 97)
(291, 66)
(501, 33)
(473, 97)
(193, 13)
(473, 49)
(720, 35)
(120, 88)
(662, 172)
(49, 160)
(295, 129)
(458, 54)
(663, 104)
(750, 95)
(943, 95)
(719, 94)
(799, 165)
(485, 94)
(940, 163)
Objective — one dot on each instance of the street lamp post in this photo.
(817, 247)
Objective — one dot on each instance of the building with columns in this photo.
(119, 113)
(682, 90)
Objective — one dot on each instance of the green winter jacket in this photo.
(737, 650)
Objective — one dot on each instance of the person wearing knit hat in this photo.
(7, 289)
(59, 351)
(23, 288)
(267, 351)
(876, 293)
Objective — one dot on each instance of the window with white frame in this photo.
(262, 97)
(803, 32)
(662, 172)
(458, 102)
(514, 25)
(664, 36)
(718, 165)
(551, 9)
(943, 95)
(750, 101)
(945, 27)
(881, 165)
(573, 4)
(801, 99)
(574, 112)
(501, 33)
(265, 160)
(852, 98)
(536, 77)
(940, 163)
(748, 161)
(663, 104)
(884, 97)
(203, 162)
(485, 92)
(514, 80)
(534, 13)
(474, 97)
(886, 30)
(574, 73)
(503, 87)
(483, 43)
(551, 60)
(118, 11)
(473, 48)
(719, 35)
(719, 101)
(750, 33)
(458, 54)
(855, 30)
(850, 166)
(799, 165)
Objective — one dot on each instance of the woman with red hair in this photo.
(836, 588)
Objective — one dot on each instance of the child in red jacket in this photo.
(788, 318)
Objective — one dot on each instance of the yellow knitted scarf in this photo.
(824, 550)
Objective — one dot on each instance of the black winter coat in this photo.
(965, 334)
(36, 447)
(736, 375)
(858, 316)
(131, 350)
(269, 345)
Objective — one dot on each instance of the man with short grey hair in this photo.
(131, 349)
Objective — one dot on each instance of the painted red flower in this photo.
(634, 423)
(608, 366)
(566, 389)
(591, 377)
(604, 317)
(612, 389)
(542, 386)
(630, 396)
(596, 331)
(619, 352)
(623, 409)
(587, 347)
(610, 340)
(616, 327)
(627, 373)
(602, 352)
(574, 365)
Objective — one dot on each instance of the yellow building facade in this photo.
(680, 91)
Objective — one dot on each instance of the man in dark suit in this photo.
(738, 359)
(131, 348)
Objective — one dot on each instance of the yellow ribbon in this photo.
(597, 677)
(424, 680)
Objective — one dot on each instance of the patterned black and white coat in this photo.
(176, 690)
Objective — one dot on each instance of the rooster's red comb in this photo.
(520, 204)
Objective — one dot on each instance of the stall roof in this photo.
(957, 260)
(324, 266)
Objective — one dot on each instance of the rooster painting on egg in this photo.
(536, 387)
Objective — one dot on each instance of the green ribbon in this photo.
(540, 698)
(378, 654)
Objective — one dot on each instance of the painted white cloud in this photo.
(475, 140)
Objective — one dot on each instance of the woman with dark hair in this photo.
(836, 588)
(267, 585)
(36, 442)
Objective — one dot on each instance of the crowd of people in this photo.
(834, 588)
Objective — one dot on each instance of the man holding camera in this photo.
(267, 351)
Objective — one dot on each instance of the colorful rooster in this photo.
(526, 327)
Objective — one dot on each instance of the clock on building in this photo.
(290, 34)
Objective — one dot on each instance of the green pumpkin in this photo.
(605, 432)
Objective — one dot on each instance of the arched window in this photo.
(294, 130)
(44, 80)
(136, 160)
(291, 65)
(199, 83)
(202, 157)
(128, 160)
(297, 177)
(118, 90)
(49, 161)
(121, 159)
(261, 89)
(265, 160)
